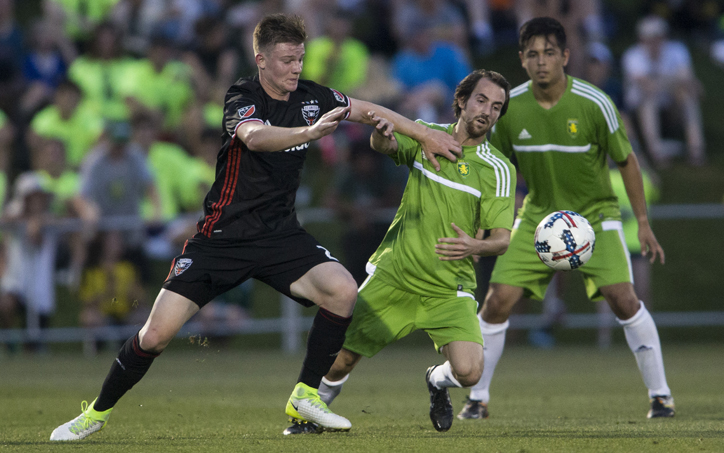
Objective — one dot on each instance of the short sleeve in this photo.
(407, 149)
(499, 211)
(242, 106)
(613, 134)
(330, 99)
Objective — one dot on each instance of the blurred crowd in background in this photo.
(113, 109)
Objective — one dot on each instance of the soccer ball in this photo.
(564, 240)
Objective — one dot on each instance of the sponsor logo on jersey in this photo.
(572, 127)
(310, 113)
(181, 265)
(298, 147)
(524, 135)
(246, 112)
(463, 168)
(339, 97)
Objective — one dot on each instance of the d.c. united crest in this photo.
(181, 265)
(310, 113)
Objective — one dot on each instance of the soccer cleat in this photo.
(88, 422)
(441, 410)
(661, 406)
(473, 410)
(305, 405)
(302, 427)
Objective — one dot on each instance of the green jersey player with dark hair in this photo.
(562, 131)
(422, 275)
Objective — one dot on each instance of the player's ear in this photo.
(522, 59)
(260, 60)
(566, 56)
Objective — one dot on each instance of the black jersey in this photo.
(254, 192)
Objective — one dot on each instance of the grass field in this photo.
(202, 399)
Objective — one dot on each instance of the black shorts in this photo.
(208, 268)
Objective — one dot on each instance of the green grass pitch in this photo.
(200, 399)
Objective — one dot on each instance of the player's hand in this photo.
(455, 248)
(383, 127)
(649, 244)
(328, 122)
(439, 143)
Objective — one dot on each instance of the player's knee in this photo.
(468, 374)
(152, 340)
(495, 308)
(341, 297)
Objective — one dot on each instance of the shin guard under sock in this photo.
(325, 340)
(129, 367)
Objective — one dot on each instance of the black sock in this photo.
(325, 340)
(130, 366)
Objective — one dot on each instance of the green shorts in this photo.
(384, 314)
(521, 267)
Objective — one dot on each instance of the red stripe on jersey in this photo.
(230, 179)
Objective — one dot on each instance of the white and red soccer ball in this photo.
(564, 240)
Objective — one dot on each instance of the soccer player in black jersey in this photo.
(250, 228)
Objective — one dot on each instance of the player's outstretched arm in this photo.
(434, 143)
(463, 246)
(382, 139)
(632, 180)
(263, 138)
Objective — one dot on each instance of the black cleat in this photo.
(441, 410)
(661, 406)
(473, 410)
(303, 427)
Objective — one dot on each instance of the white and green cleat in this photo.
(88, 422)
(305, 405)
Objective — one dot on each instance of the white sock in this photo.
(328, 390)
(494, 339)
(442, 377)
(643, 339)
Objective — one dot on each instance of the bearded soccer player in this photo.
(422, 275)
(562, 131)
(250, 227)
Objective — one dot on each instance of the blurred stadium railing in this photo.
(291, 324)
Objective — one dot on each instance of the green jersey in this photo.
(561, 151)
(476, 192)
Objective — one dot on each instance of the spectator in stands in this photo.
(102, 73)
(45, 65)
(442, 21)
(116, 177)
(63, 183)
(213, 59)
(337, 59)
(70, 119)
(11, 52)
(160, 84)
(168, 164)
(78, 18)
(111, 294)
(138, 20)
(27, 286)
(428, 72)
(659, 76)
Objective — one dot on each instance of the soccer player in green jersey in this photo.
(562, 129)
(422, 275)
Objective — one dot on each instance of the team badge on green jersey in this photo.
(463, 168)
(573, 127)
